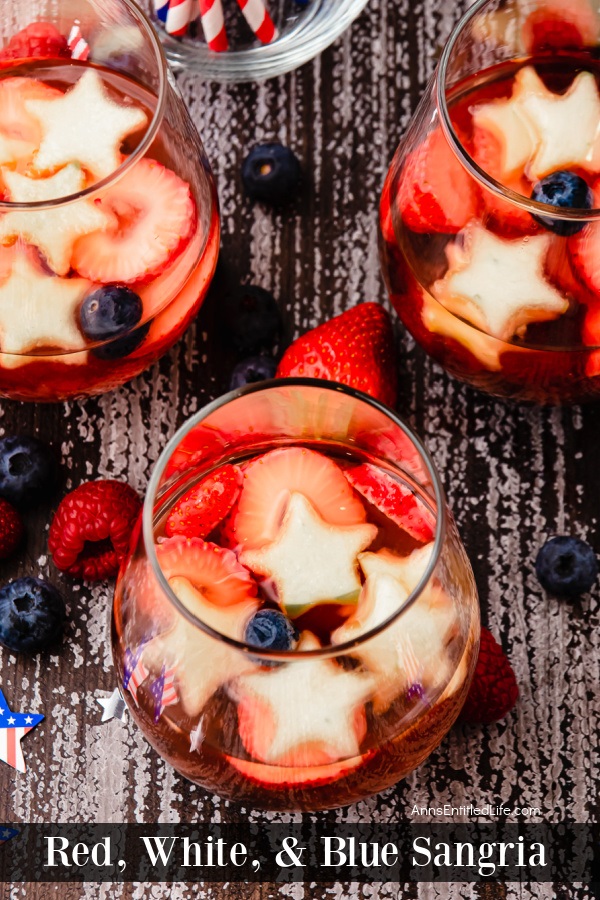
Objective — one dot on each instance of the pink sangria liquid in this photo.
(147, 241)
(306, 551)
(501, 299)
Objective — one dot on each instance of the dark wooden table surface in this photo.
(513, 476)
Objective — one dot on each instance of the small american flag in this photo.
(13, 727)
(7, 834)
(79, 47)
(163, 691)
(135, 672)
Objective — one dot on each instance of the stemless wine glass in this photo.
(109, 226)
(373, 681)
(495, 281)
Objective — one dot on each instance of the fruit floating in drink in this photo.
(490, 214)
(313, 633)
(108, 221)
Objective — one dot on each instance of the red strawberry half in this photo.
(393, 499)
(355, 348)
(155, 214)
(436, 193)
(269, 482)
(493, 691)
(584, 249)
(15, 122)
(554, 24)
(205, 505)
(212, 570)
(40, 40)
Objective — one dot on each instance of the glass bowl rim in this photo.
(146, 26)
(288, 655)
(464, 157)
(263, 62)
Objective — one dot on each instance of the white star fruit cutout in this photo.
(407, 569)
(312, 701)
(39, 311)
(53, 231)
(84, 125)
(202, 664)
(499, 285)
(311, 561)
(411, 650)
(542, 132)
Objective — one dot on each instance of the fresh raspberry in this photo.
(91, 530)
(40, 40)
(493, 691)
(11, 529)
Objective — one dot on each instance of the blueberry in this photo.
(566, 191)
(269, 629)
(252, 318)
(271, 173)
(566, 566)
(32, 615)
(110, 314)
(249, 371)
(27, 470)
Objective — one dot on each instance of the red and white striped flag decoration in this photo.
(163, 691)
(135, 672)
(259, 20)
(79, 47)
(213, 25)
(179, 16)
(13, 728)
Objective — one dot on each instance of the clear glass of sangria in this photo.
(109, 226)
(297, 623)
(490, 214)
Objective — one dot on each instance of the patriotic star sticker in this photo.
(201, 664)
(311, 701)
(311, 561)
(499, 285)
(71, 132)
(13, 728)
(39, 311)
(409, 651)
(53, 231)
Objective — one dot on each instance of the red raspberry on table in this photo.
(91, 530)
(40, 40)
(493, 691)
(11, 529)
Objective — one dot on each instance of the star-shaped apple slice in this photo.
(54, 230)
(568, 124)
(410, 650)
(509, 122)
(86, 126)
(38, 310)
(304, 713)
(407, 569)
(498, 285)
(202, 664)
(311, 562)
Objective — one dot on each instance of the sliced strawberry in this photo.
(584, 249)
(156, 214)
(505, 218)
(270, 480)
(205, 505)
(212, 570)
(393, 499)
(436, 193)
(309, 776)
(40, 40)
(590, 331)
(200, 445)
(16, 123)
(556, 25)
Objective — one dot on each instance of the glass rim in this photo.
(146, 26)
(532, 206)
(290, 655)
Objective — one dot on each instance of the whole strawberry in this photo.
(11, 529)
(90, 533)
(493, 691)
(355, 348)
